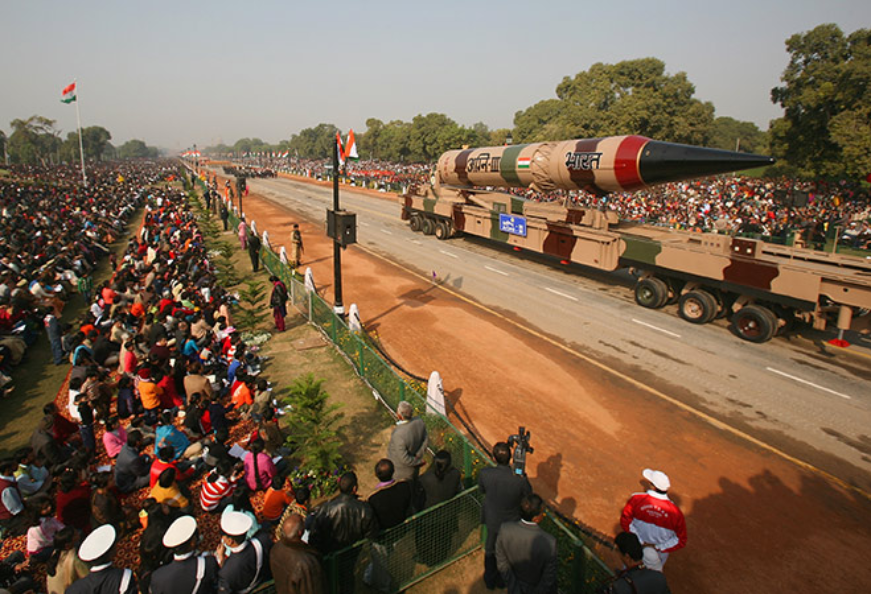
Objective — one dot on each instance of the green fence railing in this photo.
(436, 537)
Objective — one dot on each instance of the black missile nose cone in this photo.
(662, 162)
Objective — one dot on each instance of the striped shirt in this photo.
(212, 493)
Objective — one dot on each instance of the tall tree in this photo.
(34, 140)
(136, 149)
(731, 134)
(826, 97)
(630, 97)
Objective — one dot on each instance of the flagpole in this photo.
(79, 125)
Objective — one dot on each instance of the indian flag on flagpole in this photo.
(351, 147)
(69, 93)
(523, 163)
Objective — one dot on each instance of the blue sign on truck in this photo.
(512, 224)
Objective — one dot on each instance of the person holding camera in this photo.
(503, 491)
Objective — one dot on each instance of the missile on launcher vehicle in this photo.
(765, 288)
(595, 165)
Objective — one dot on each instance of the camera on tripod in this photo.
(520, 442)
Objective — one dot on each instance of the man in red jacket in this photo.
(655, 519)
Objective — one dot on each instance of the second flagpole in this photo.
(79, 126)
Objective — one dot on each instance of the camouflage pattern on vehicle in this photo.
(765, 288)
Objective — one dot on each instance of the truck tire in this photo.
(442, 231)
(754, 323)
(651, 293)
(427, 225)
(697, 307)
(415, 223)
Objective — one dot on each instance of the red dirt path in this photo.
(756, 522)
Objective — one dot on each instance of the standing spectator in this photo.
(296, 566)
(296, 248)
(254, 251)
(440, 482)
(635, 578)
(407, 443)
(225, 214)
(86, 423)
(244, 563)
(526, 554)
(503, 491)
(243, 232)
(52, 328)
(97, 551)
(278, 301)
(655, 519)
(85, 286)
(340, 522)
(391, 503)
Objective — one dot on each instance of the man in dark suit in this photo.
(526, 554)
(407, 443)
(188, 572)
(391, 503)
(503, 490)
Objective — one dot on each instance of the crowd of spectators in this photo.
(51, 237)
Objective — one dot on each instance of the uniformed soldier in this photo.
(244, 563)
(97, 551)
(188, 573)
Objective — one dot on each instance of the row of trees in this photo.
(37, 140)
(825, 130)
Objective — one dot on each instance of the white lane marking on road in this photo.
(803, 381)
(364, 224)
(386, 231)
(651, 326)
(415, 242)
(555, 292)
(449, 254)
(496, 271)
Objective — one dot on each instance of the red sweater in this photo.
(656, 520)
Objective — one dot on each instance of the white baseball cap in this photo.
(97, 543)
(658, 478)
(180, 531)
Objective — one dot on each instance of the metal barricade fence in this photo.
(407, 554)
(436, 537)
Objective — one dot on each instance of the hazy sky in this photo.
(184, 72)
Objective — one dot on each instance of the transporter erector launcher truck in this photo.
(763, 288)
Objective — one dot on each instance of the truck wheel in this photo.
(415, 223)
(651, 293)
(427, 225)
(754, 323)
(697, 307)
(442, 231)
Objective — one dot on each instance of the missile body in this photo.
(596, 165)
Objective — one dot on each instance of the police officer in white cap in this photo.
(188, 573)
(97, 551)
(244, 563)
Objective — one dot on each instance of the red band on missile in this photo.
(626, 162)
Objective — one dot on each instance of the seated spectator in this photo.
(132, 468)
(259, 468)
(40, 536)
(64, 566)
(13, 518)
(167, 434)
(167, 491)
(32, 476)
(74, 501)
(106, 507)
(114, 437)
(218, 487)
(277, 498)
(240, 502)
